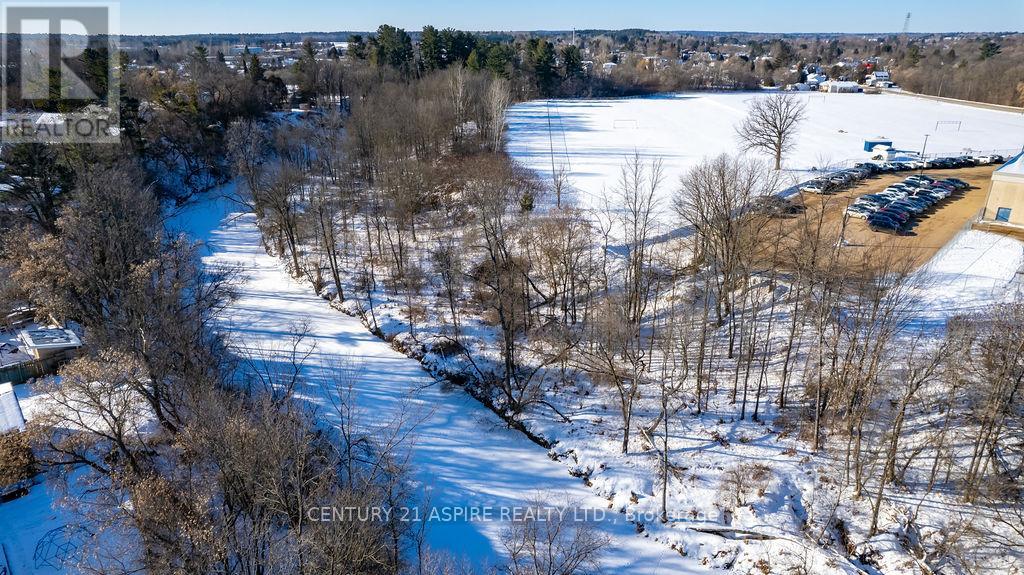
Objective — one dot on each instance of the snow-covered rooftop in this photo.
(11, 418)
(1013, 167)
(49, 338)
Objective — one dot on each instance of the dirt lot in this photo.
(925, 235)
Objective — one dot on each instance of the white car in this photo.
(812, 189)
(859, 211)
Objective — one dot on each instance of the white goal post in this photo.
(950, 123)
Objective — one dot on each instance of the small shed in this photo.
(869, 145)
(883, 153)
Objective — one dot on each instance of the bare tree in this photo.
(548, 541)
(771, 125)
(498, 98)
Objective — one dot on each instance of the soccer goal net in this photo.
(625, 124)
(947, 125)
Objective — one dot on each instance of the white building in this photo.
(48, 343)
(878, 78)
(813, 80)
(240, 49)
(839, 87)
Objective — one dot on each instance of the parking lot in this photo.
(924, 234)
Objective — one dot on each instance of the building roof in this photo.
(49, 338)
(11, 418)
(1013, 167)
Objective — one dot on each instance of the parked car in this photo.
(873, 199)
(774, 206)
(935, 197)
(943, 193)
(900, 215)
(859, 211)
(958, 183)
(912, 207)
(884, 219)
(885, 226)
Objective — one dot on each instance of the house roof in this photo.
(11, 418)
(49, 338)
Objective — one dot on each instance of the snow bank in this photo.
(970, 274)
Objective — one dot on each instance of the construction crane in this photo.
(906, 24)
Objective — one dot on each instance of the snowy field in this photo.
(589, 139)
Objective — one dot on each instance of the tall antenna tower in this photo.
(906, 24)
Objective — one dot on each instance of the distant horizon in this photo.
(806, 17)
(578, 30)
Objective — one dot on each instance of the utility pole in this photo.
(923, 148)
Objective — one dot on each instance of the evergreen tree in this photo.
(473, 62)
(989, 49)
(357, 47)
(540, 62)
(255, 69)
(430, 50)
(391, 47)
(572, 62)
(501, 60)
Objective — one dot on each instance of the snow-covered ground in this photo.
(974, 271)
(461, 455)
(589, 139)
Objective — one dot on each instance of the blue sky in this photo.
(251, 16)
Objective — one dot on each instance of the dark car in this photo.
(924, 201)
(900, 215)
(885, 226)
(913, 207)
(879, 217)
(934, 197)
(958, 183)
(774, 206)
